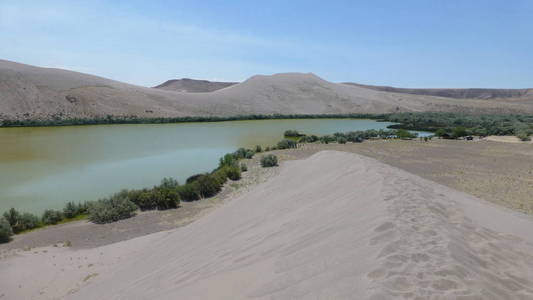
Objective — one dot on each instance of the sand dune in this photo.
(334, 226)
(193, 86)
(28, 92)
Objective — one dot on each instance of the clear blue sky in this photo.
(448, 43)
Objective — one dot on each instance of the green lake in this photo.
(44, 167)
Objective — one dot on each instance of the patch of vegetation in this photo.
(60, 120)
(269, 160)
(189, 192)
(459, 124)
(286, 144)
(52, 217)
(292, 133)
(5, 230)
(112, 209)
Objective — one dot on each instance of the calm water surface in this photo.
(44, 167)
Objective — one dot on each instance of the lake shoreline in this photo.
(495, 172)
(355, 220)
(46, 167)
(128, 120)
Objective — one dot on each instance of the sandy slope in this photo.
(334, 226)
(193, 85)
(44, 93)
(476, 93)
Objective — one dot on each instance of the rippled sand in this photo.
(336, 225)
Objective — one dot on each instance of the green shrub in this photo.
(341, 140)
(440, 132)
(269, 160)
(168, 198)
(227, 160)
(233, 173)
(169, 183)
(244, 167)
(523, 136)
(404, 134)
(5, 230)
(258, 149)
(292, 133)
(12, 216)
(72, 209)
(267, 149)
(193, 178)
(308, 139)
(188, 192)
(286, 144)
(111, 209)
(29, 221)
(221, 175)
(326, 139)
(51, 217)
(208, 186)
(243, 153)
(458, 132)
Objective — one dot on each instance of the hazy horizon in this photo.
(414, 44)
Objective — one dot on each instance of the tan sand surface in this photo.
(507, 139)
(336, 225)
(501, 173)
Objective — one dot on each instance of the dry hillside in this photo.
(473, 93)
(193, 86)
(43, 93)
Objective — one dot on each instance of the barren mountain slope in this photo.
(193, 86)
(44, 93)
(470, 93)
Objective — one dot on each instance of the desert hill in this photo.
(29, 92)
(470, 93)
(193, 86)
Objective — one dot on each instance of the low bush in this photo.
(341, 140)
(243, 153)
(258, 149)
(308, 139)
(458, 132)
(5, 230)
(51, 217)
(286, 144)
(111, 209)
(244, 167)
(20, 222)
(188, 192)
(326, 139)
(292, 133)
(12, 216)
(227, 160)
(208, 186)
(404, 134)
(193, 178)
(158, 198)
(168, 183)
(72, 209)
(269, 160)
(29, 221)
(233, 172)
(523, 136)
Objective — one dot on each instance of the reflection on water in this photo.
(45, 167)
